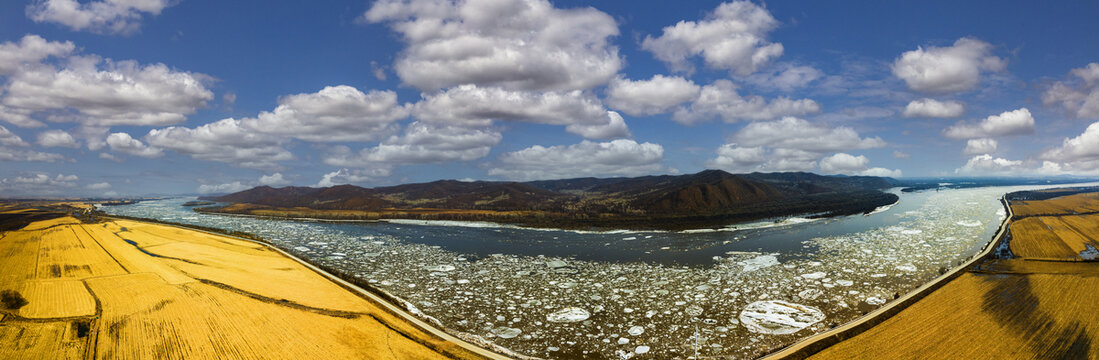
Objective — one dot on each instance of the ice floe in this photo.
(779, 317)
(569, 314)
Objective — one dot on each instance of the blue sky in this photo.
(163, 97)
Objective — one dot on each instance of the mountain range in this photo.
(707, 198)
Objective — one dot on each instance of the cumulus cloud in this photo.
(37, 184)
(30, 50)
(1008, 123)
(57, 138)
(987, 165)
(721, 100)
(1079, 96)
(931, 108)
(794, 133)
(98, 92)
(476, 106)
(222, 188)
(224, 141)
(335, 113)
(421, 143)
(101, 17)
(620, 157)
(733, 37)
(124, 143)
(352, 176)
(980, 146)
(648, 97)
(614, 128)
(11, 149)
(843, 163)
(947, 69)
(1078, 154)
(789, 144)
(514, 44)
(275, 179)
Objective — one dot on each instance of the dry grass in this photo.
(1072, 204)
(39, 225)
(69, 252)
(199, 321)
(1037, 238)
(56, 299)
(182, 294)
(40, 340)
(998, 316)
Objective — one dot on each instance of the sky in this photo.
(144, 97)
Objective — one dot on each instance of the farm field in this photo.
(1037, 304)
(132, 290)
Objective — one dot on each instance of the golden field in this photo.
(133, 290)
(1038, 305)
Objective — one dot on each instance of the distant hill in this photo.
(708, 196)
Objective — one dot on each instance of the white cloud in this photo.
(421, 143)
(614, 128)
(648, 97)
(9, 142)
(897, 154)
(29, 51)
(222, 188)
(980, 146)
(335, 113)
(37, 184)
(57, 138)
(8, 138)
(99, 186)
(720, 100)
(931, 108)
(987, 165)
(1080, 98)
(352, 176)
(794, 133)
(124, 143)
(102, 17)
(733, 37)
(225, 141)
(843, 163)
(275, 179)
(1008, 123)
(786, 77)
(614, 158)
(105, 93)
(738, 159)
(789, 144)
(515, 44)
(1077, 154)
(474, 106)
(947, 69)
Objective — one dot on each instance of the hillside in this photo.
(711, 196)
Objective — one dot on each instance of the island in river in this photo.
(711, 198)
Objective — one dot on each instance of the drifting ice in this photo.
(778, 317)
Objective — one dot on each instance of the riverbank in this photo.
(1036, 302)
(130, 289)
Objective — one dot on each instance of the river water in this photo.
(735, 292)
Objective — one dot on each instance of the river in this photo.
(570, 294)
